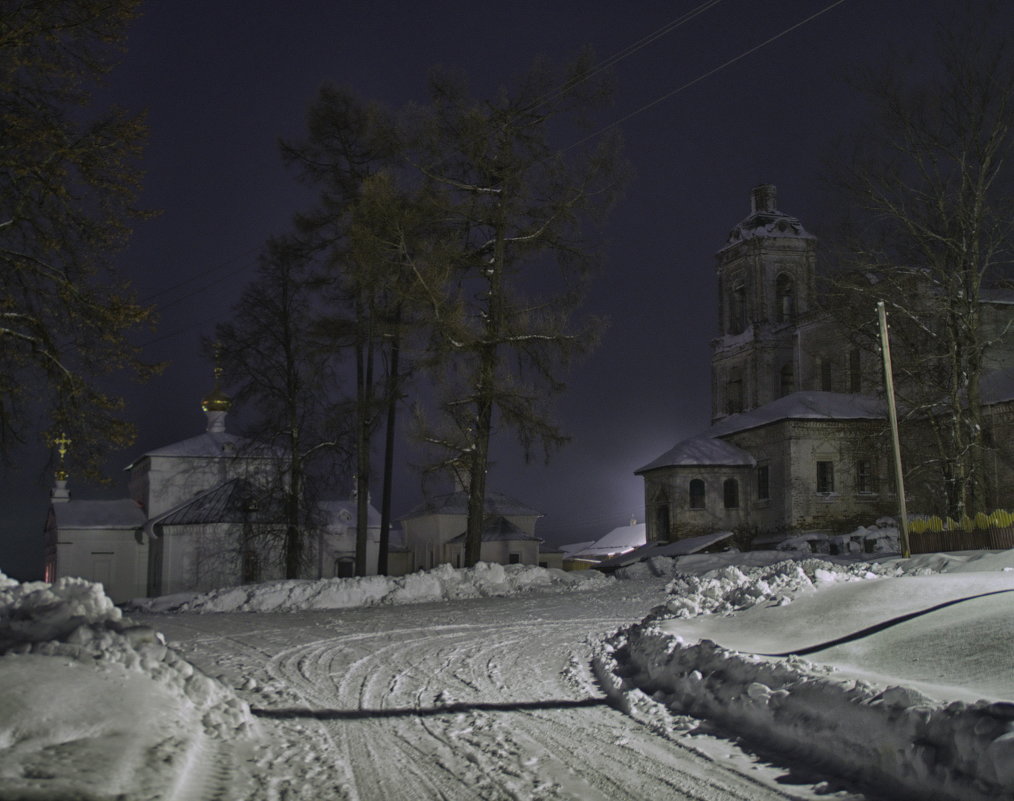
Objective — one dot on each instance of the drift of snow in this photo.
(442, 583)
(921, 708)
(836, 710)
(90, 703)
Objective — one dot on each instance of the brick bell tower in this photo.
(765, 290)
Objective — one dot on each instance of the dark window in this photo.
(855, 372)
(763, 483)
(730, 493)
(826, 375)
(785, 300)
(697, 493)
(344, 568)
(734, 391)
(866, 476)
(514, 558)
(737, 308)
(786, 381)
(825, 477)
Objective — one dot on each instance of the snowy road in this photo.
(479, 699)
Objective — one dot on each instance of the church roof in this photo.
(709, 450)
(118, 513)
(456, 503)
(703, 450)
(804, 405)
(213, 444)
(235, 501)
(765, 220)
(498, 529)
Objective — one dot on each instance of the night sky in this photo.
(222, 81)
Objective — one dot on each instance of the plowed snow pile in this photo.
(867, 702)
(442, 583)
(93, 706)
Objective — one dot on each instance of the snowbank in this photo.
(86, 698)
(442, 583)
(894, 737)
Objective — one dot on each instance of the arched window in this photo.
(855, 372)
(697, 493)
(785, 299)
(730, 493)
(826, 374)
(737, 307)
(734, 391)
(786, 380)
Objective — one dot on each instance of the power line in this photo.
(707, 74)
(629, 50)
(221, 265)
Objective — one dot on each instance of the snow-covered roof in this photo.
(621, 538)
(765, 220)
(708, 450)
(701, 451)
(998, 386)
(575, 547)
(234, 501)
(213, 444)
(997, 296)
(498, 529)
(629, 536)
(118, 513)
(670, 549)
(456, 503)
(803, 406)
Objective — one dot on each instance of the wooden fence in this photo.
(993, 538)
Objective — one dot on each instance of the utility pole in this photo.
(892, 412)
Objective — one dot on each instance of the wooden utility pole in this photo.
(892, 411)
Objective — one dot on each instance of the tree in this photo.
(400, 257)
(68, 182)
(349, 141)
(269, 353)
(930, 187)
(517, 204)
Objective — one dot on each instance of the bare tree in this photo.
(268, 351)
(349, 141)
(517, 203)
(929, 185)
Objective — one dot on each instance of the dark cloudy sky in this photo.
(223, 79)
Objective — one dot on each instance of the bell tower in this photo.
(765, 289)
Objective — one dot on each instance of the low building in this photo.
(434, 531)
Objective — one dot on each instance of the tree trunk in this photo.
(392, 412)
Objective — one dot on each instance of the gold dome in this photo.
(216, 401)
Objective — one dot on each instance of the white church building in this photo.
(197, 518)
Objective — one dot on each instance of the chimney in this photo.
(763, 198)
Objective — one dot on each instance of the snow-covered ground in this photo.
(899, 674)
(488, 683)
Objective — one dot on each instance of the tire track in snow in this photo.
(493, 755)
